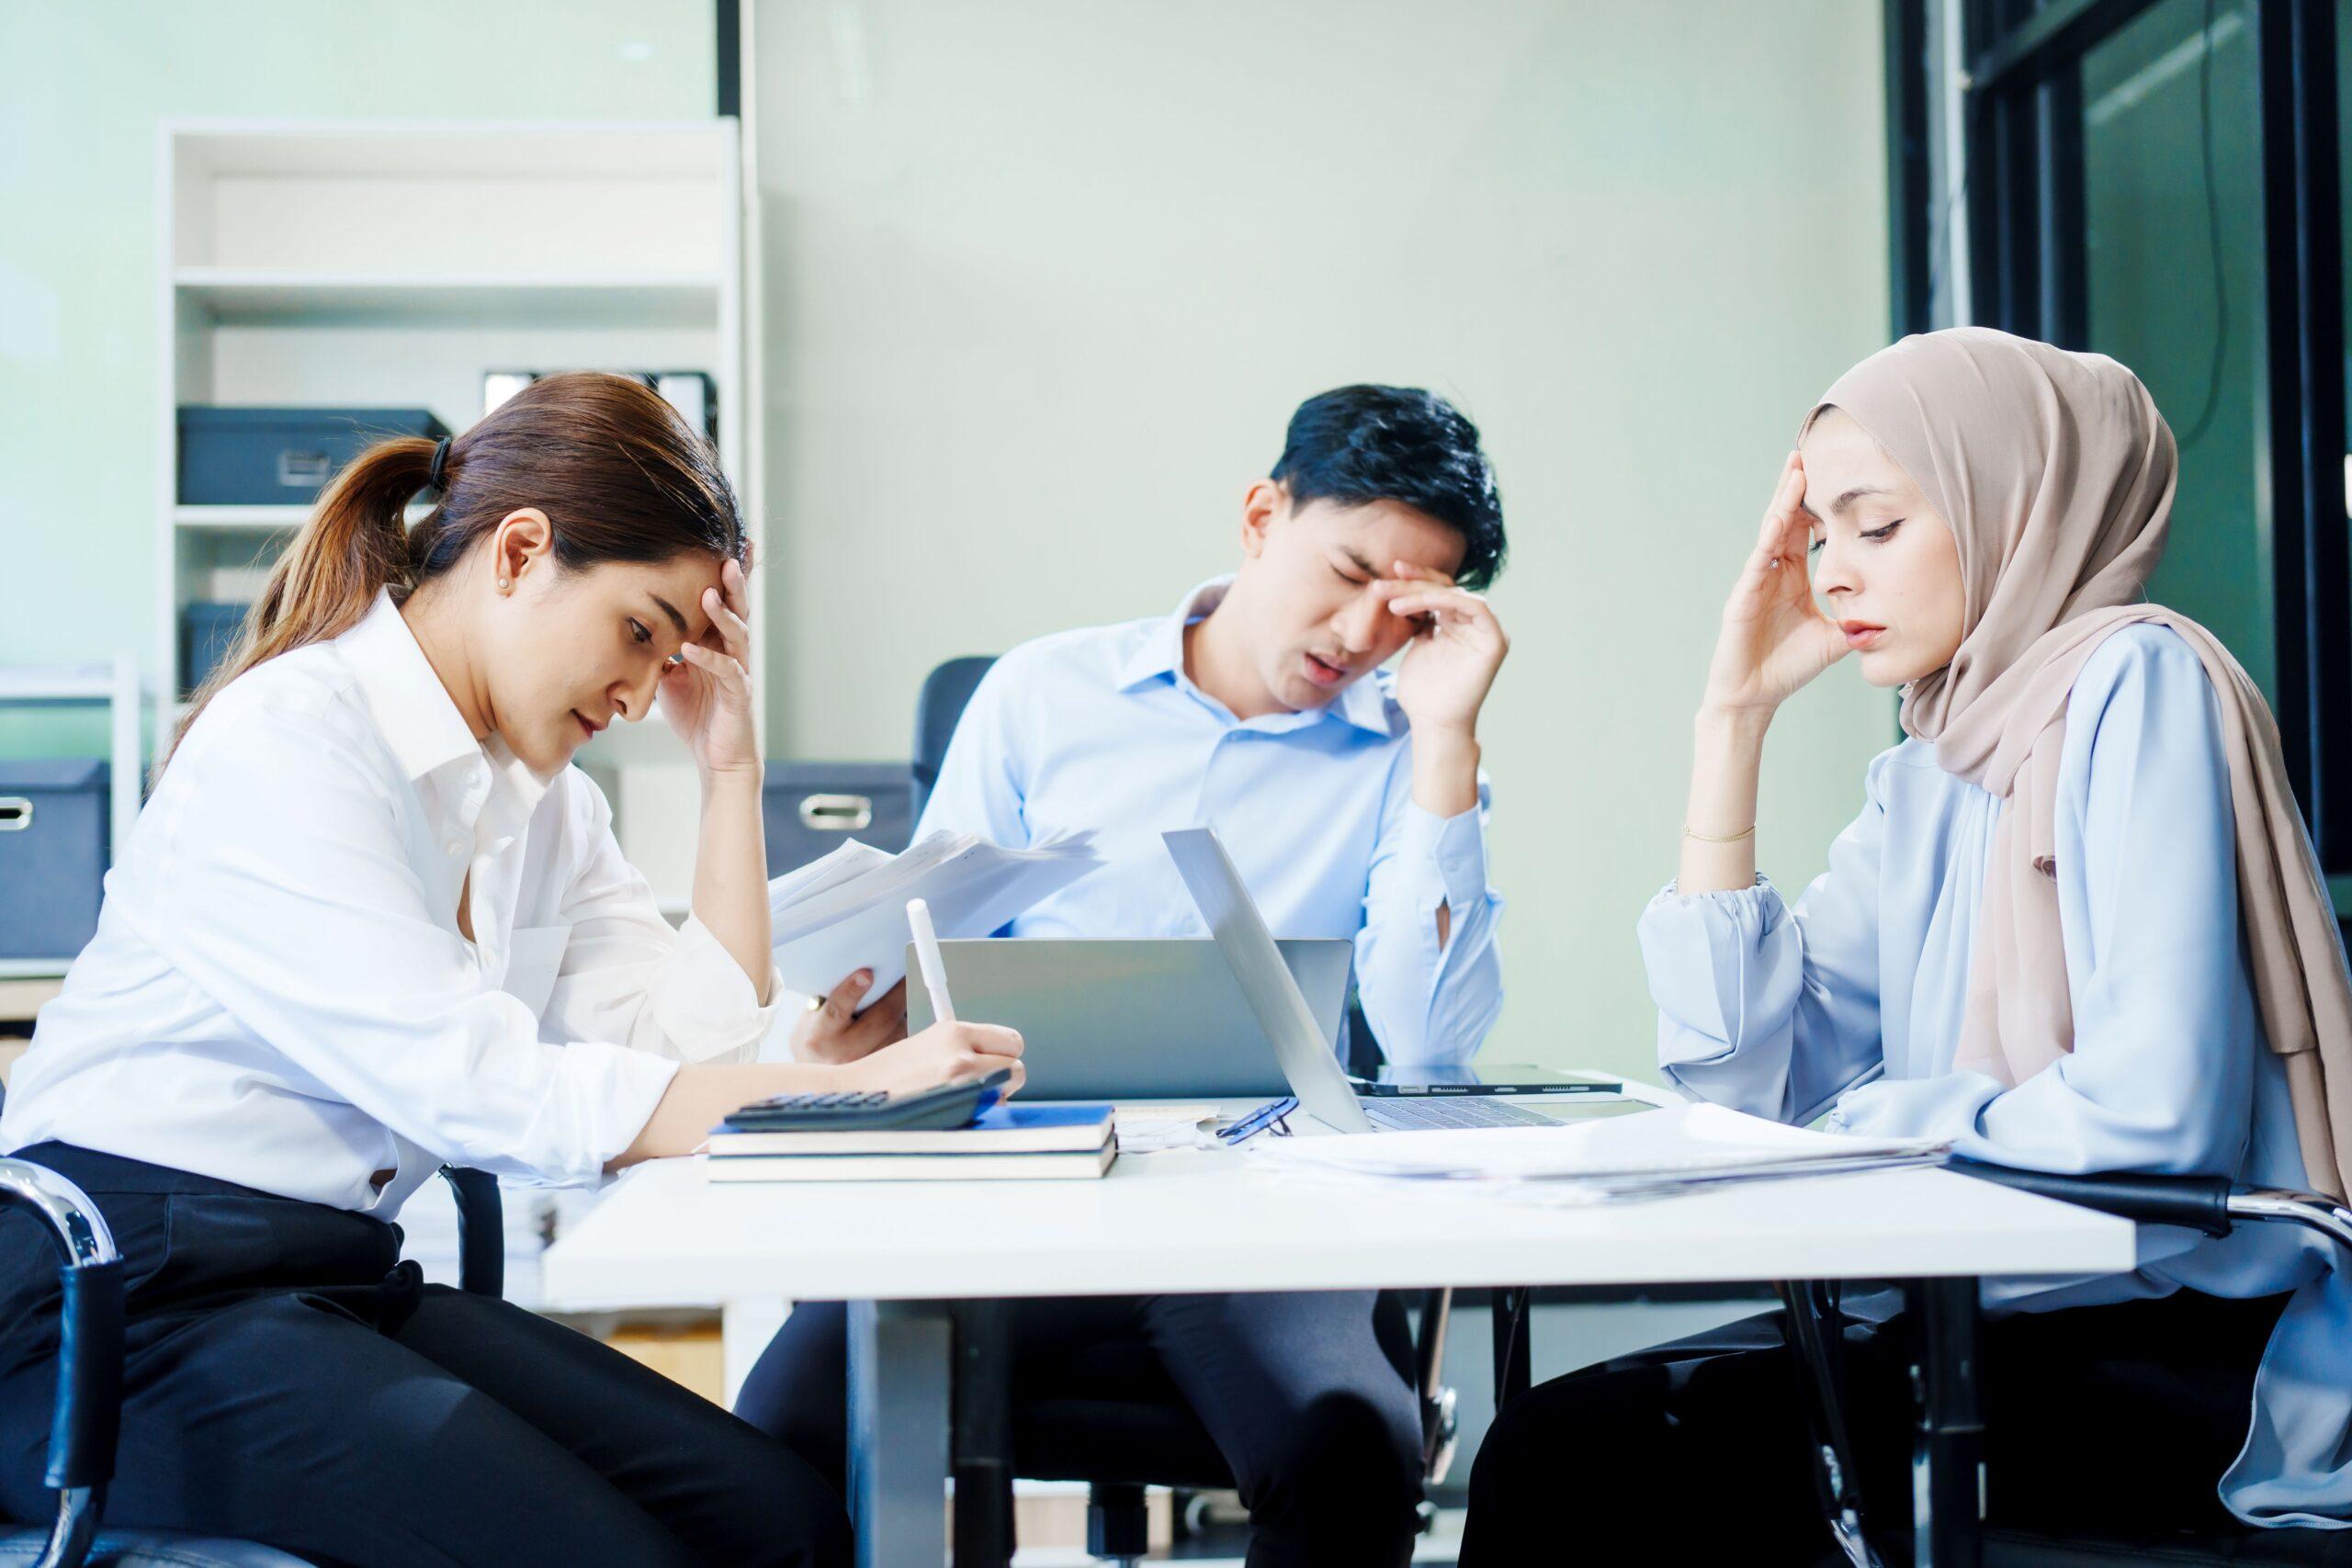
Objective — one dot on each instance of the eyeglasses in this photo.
(1274, 1115)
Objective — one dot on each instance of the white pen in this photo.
(934, 973)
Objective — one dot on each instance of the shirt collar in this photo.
(413, 710)
(1161, 652)
(1161, 655)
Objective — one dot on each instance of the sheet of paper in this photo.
(849, 910)
(1670, 1148)
(797, 887)
(1150, 1128)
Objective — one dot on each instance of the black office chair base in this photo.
(1118, 1525)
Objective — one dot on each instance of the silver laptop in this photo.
(1306, 1055)
(1140, 1018)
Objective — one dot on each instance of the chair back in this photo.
(482, 1231)
(945, 693)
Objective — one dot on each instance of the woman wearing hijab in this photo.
(2077, 927)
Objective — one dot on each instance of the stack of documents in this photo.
(1009, 1143)
(848, 911)
(1651, 1154)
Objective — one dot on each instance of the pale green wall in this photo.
(1045, 279)
(82, 89)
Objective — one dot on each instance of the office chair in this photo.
(2208, 1204)
(89, 1380)
(946, 690)
(1113, 1419)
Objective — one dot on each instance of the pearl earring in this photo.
(504, 585)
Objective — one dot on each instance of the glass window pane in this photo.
(2149, 265)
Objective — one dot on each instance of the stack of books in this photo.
(1009, 1143)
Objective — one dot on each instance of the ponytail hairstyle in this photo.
(619, 475)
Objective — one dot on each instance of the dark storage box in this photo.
(53, 817)
(207, 632)
(811, 808)
(255, 457)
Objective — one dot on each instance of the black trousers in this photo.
(2118, 1417)
(288, 1381)
(1300, 1393)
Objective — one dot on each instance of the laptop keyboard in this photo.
(1451, 1111)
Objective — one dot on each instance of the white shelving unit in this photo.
(391, 264)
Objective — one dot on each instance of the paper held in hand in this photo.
(848, 911)
(1651, 1154)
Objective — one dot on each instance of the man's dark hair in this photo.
(1359, 444)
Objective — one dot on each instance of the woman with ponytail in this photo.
(372, 922)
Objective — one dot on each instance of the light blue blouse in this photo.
(1850, 1004)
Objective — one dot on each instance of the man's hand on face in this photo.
(1451, 663)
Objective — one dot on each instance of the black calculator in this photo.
(954, 1104)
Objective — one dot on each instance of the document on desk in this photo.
(848, 911)
(1656, 1153)
(1155, 1126)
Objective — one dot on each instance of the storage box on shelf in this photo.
(279, 456)
(53, 855)
(811, 808)
(61, 822)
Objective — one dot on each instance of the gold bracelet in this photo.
(1747, 832)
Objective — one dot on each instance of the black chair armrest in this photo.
(89, 1362)
(482, 1231)
(2195, 1203)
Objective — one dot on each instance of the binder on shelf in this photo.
(692, 393)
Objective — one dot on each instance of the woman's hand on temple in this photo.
(707, 697)
(1775, 637)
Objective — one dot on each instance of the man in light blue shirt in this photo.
(1352, 801)
(1320, 808)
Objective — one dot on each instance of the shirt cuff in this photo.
(709, 1011)
(596, 1101)
(1456, 845)
(1714, 970)
(1671, 896)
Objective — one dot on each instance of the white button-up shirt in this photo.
(280, 995)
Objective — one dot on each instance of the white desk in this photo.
(1217, 1220)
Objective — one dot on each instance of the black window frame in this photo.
(2022, 204)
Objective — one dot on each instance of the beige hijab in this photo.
(2056, 475)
